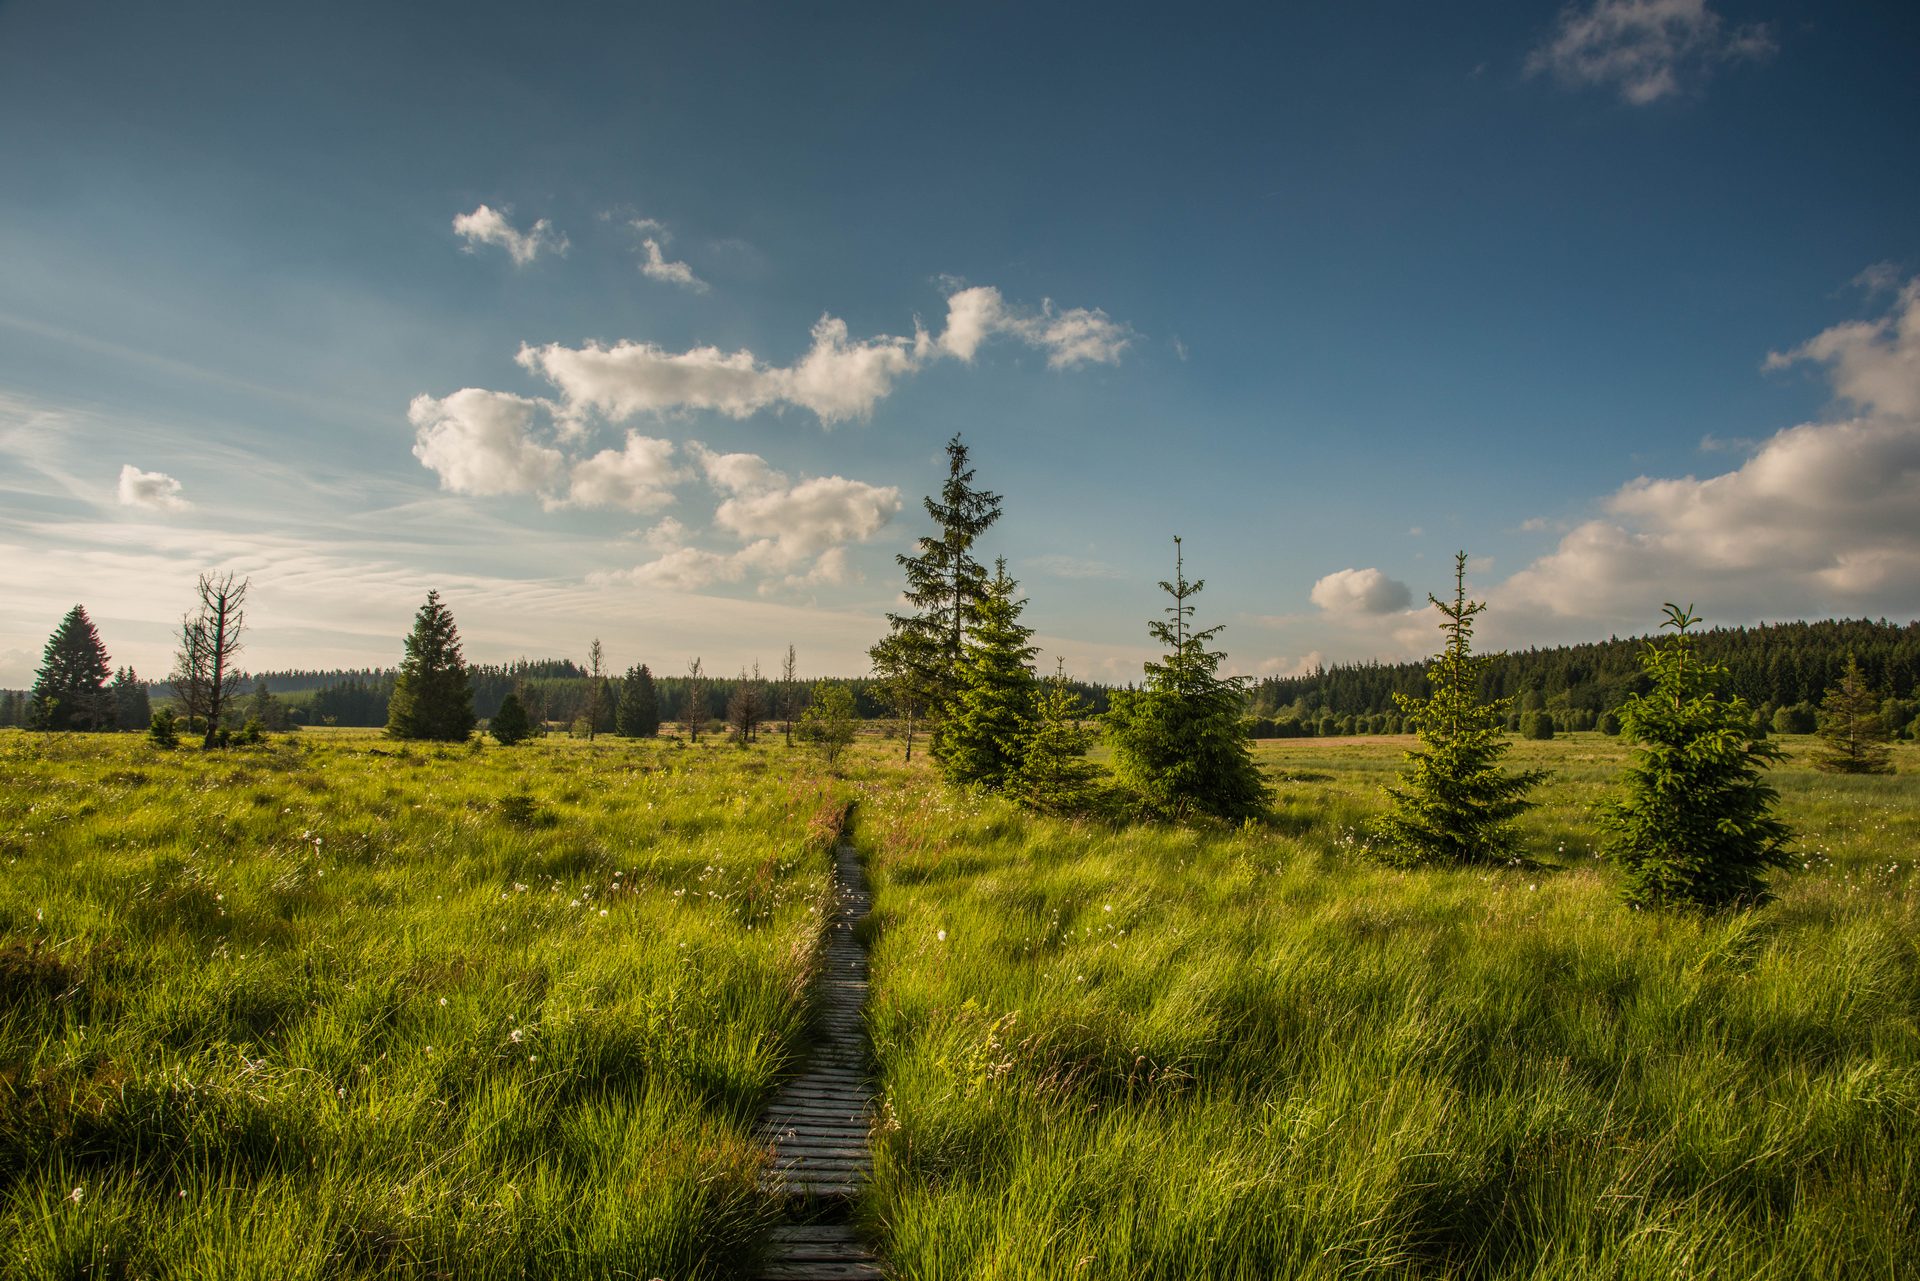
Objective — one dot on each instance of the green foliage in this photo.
(828, 722)
(432, 698)
(984, 735)
(946, 584)
(1798, 718)
(1055, 776)
(1853, 735)
(1695, 827)
(639, 711)
(164, 729)
(69, 693)
(132, 709)
(1178, 741)
(264, 706)
(1454, 803)
(511, 725)
(1537, 725)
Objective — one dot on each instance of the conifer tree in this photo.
(597, 701)
(984, 736)
(1055, 775)
(69, 692)
(639, 712)
(263, 706)
(1853, 733)
(1178, 740)
(511, 725)
(432, 694)
(945, 585)
(132, 708)
(1695, 827)
(1454, 803)
(697, 709)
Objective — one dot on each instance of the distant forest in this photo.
(1774, 667)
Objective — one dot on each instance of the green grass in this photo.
(343, 1008)
(1158, 1052)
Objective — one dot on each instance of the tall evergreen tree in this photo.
(1055, 775)
(945, 586)
(1178, 740)
(69, 692)
(432, 695)
(132, 709)
(1454, 803)
(984, 736)
(1695, 827)
(1853, 733)
(639, 712)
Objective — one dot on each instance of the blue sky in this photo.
(650, 325)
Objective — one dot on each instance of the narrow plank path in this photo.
(817, 1124)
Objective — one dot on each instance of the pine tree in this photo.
(639, 712)
(432, 695)
(983, 738)
(263, 706)
(1852, 730)
(69, 692)
(511, 725)
(132, 709)
(1695, 827)
(597, 701)
(1055, 775)
(945, 585)
(1178, 740)
(1454, 803)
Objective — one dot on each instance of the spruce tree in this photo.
(511, 725)
(1454, 803)
(132, 708)
(984, 736)
(69, 692)
(1178, 740)
(432, 695)
(1853, 733)
(1695, 827)
(945, 586)
(639, 711)
(1055, 775)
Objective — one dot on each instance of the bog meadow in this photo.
(1148, 996)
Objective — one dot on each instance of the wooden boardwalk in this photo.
(817, 1124)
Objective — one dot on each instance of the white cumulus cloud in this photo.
(838, 378)
(657, 266)
(488, 226)
(1824, 517)
(639, 477)
(1361, 591)
(481, 442)
(1644, 49)
(153, 490)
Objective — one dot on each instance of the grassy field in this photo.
(337, 1007)
(342, 1008)
(1255, 1053)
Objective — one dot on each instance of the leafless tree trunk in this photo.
(789, 691)
(696, 710)
(596, 669)
(209, 643)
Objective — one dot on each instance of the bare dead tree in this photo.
(596, 672)
(209, 643)
(747, 706)
(789, 692)
(696, 711)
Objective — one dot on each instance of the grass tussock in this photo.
(1255, 1052)
(335, 1008)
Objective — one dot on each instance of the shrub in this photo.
(510, 725)
(1536, 725)
(164, 729)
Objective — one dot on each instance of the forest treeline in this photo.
(1776, 667)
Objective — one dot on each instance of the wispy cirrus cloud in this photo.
(1645, 50)
(489, 226)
